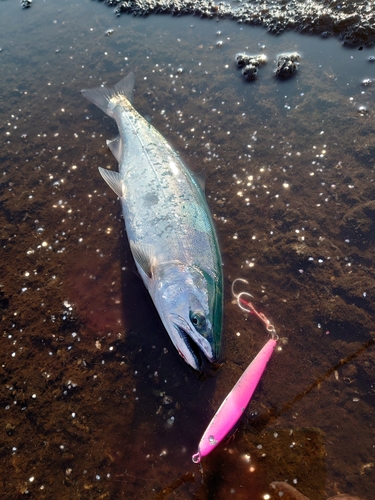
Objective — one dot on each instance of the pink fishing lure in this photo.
(235, 403)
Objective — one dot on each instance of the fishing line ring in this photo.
(272, 330)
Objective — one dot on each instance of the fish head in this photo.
(190, 306)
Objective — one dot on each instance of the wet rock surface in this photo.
(354, 22)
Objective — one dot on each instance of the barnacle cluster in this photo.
(287, 64)
(250, 64)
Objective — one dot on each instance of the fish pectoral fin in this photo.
(113, 179)
(143, 255)
(115, 145)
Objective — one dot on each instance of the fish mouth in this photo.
(199, 348)
(193, 348)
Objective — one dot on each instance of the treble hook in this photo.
(236, 295)
(247, 306)
(243, 304)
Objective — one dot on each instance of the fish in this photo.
(169, 227)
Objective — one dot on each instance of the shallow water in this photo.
(95, 402)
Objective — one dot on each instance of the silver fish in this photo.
(169, 227)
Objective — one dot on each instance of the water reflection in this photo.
(289, 167)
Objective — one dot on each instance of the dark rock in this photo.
(250, 64)
(345, 22)
(250, 72)
(287, 64)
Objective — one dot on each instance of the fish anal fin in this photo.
(200, 177)
(115, 145)
(143, 255)
(113, 179)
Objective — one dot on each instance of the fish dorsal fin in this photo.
(113, 179)
(115, 145)
(143, 255)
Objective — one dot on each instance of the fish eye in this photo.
(198, 319)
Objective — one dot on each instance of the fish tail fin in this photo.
(125, 86)
(101, 96)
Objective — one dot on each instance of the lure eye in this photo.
(198, 319)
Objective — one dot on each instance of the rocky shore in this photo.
(354, 22)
